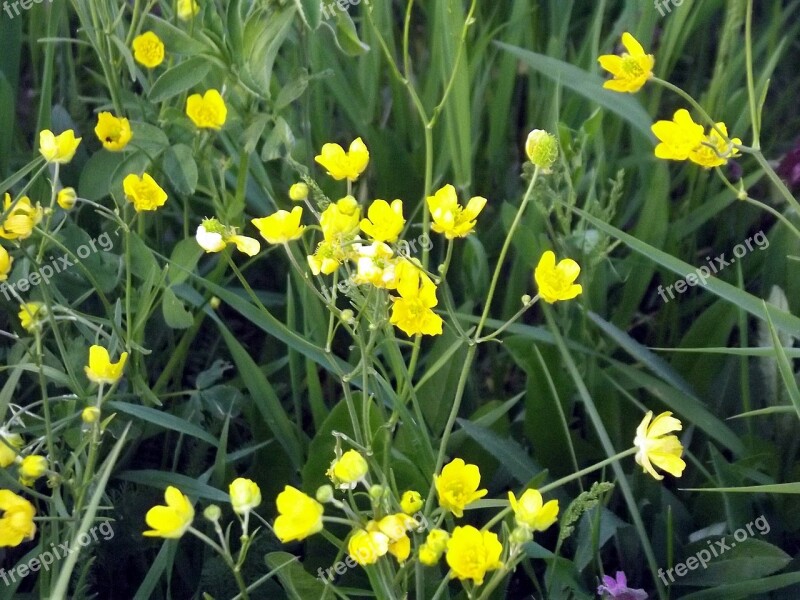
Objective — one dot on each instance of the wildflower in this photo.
(245, 495)
(113, 132)
(344, 165)
(557, 281)
(213, 236)
(31, 468)
(324, 494)
(411, 312)
(148, 49)
(298, 192)
(20, 219)
(471, 553)
(90, 414)
(299, 515)
(16, 524)
(281, 227)
(60, 148)
(347, 470)
(339, 222)
(32, 315)
(411, 502)
(207, 111)
(375, 265)
(531, 512)
(326, 259)
(449, 217)
(100, 368)
(617, 588)
(657, 448)
(143, 192)
(187, 9)
(212, 513)
(9, 444)
(631, 70)
(6, 261)
(385, 221)
(170, 521)
(714, 151)
(435, 544)
(541, 148)
(457, 486)
(66, 198)
(395, 528)
(678, 137)
(366, 547)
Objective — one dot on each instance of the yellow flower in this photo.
(411, 312)
(20, 220)
(213, 236)
(471, 553)
(396, 526)
(657, 448)
(207, 111)
(457, 486)
(299, 515)
(347, 470)
(100, 368)
(435, 544)
(6, 261)
(344, 165)
(375, 265)
(298, 192)
(31, 468)
(339, 222)
(170, 521)
(411, 502)
(366, 547)
(58, 148)
(148, 49)
(714, 151)
(32, 315)
(557, 281)
(16, 524)
(9, 444)
(90, 414)
(531, 512)
(66, 198)
(631, 70)
(678, 137)
(143, 192)
(385, 221)
(245, 495)
(113, 132)
(401, 549)
(449, 217)
(541, 148)
(187, 9)
(281, 227)
(326, 259)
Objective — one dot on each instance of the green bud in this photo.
(541, 148)
(324, 494)
(212, 512)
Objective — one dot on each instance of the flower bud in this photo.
(245, 495)
(66, 198)
(214, 302)
(90, 414)
(324, 494)
(541, 148)
(32, 467)
(212, 512)
(348, 470)
(411, 502)
(348, 316)
(521, 535)
(298, 192)
(377, 492)
(526, 299)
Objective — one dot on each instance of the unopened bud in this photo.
(66, 198)
(212, 512)
(526, 299)
(541, 148)
(324, 494)
(298, 192)
(90, 414)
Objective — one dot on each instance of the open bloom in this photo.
(148, 49)
(678, 137)
(16, 524)
(245, 495)
(375, 265)
(366, 547)
(344, 165)
(457, 486)
(714, 150)
(631, 70)
(113, 132)
(281, 227)
(60, 148)
(170, 521)
(100, 368)
(530, 511)
(213, 236)
(20, 220)
(557, 281)
(143, 192)
(384, 221)
(339, 221)
(347, 470)
(6, 261)
(655, 447)
(31, 468)
(207, 111)
(299, 515)
(32, 315)
(616, 588)
(411, 312)
(471, 553)
(449, 217)
(9, 444)
(187, 9)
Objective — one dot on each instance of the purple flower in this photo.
(618, 588)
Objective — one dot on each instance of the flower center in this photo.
(631, 67)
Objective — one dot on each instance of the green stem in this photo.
(751, 88)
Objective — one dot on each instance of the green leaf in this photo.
(184, 257)
(509, 453)
(746, 589)
(770, 488)
(175, 313)
(164, 420)
(298, 584)
(180, 78)
(345, 35)
(191, 486)
(748, 559)
(292, 91)
(785, 367)
(175, 40)
(181, 168)
(310, 12)
(95, 180)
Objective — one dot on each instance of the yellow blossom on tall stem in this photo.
(557, 281)
(207, 111)
(100, 368)
(113, 132)
(435, 544)
(457, 486)
(143, 192)
(20, 220)
(31, 468)
(170, 521)
(344, 165)
(16, 523)
(384, 221)
(339, 221)
(281, 227)
(299, 515)
(715, 150)
(375, 264)
(679, 137)
(32, 315)
(66, 198)
(245, 495)
(471, 553)
(347, 470)
(411, 312)
(58, 149)
(656, 448)
(450, 218)
(530, 510)
(148, 50)
(631, 70)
